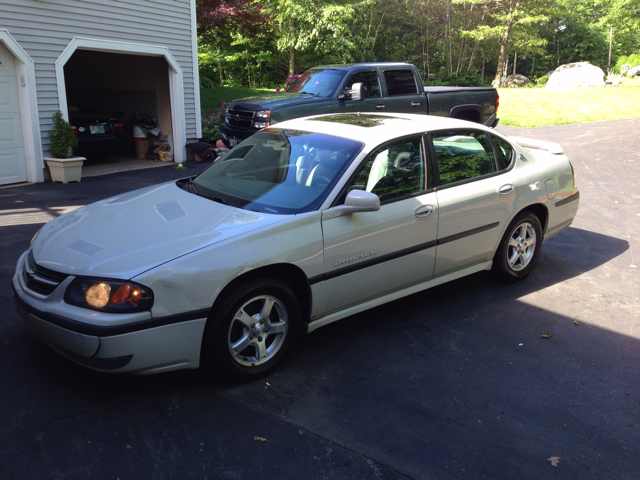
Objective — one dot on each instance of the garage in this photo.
(108, 93)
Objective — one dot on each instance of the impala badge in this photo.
(351, 259)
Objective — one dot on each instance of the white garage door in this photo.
(12, 162)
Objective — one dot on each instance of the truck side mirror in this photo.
(356, 93)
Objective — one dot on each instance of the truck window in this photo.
(370, 82)
(400, 82)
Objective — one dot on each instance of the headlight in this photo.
(112, 296)
(261, 124)
(264, 114)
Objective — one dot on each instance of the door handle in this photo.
(379, 106)
(505, 189)
(424, 211)
(415, 104)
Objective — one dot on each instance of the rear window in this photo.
(400, 82)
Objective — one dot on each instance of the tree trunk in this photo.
(221, 73)
(533, 64)
(292, 49)
(503, 49)
(515, 60)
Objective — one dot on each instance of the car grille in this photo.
(39, 279)
(239, 118)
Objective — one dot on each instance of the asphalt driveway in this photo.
(454, 382)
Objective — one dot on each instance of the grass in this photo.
(211, 98)
(521, 107)
(538, 107)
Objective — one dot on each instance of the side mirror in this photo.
(356, 201)
(356, 93)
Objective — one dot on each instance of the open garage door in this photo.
(105, 91)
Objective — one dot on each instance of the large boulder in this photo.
(517, 80)
(579, 74)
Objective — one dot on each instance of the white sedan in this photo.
(300, 225)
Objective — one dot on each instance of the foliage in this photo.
(633, 60)
(210, 135)
(463, 79)
(290, 80)
(543, 80)
(63, 140)
(256, 43)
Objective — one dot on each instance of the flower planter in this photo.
(65, 170)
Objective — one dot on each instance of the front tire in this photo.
(254, 328)
(519, 248)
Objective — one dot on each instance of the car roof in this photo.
(375, 128)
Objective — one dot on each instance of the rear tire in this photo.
(519, 249)
(251, 330)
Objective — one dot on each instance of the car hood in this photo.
(123, 236)
(271, 102)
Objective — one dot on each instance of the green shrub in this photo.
(463, 79)
(633, 60)
(543, 80)
(63, 140)
(210, 135)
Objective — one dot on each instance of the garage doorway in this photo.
(106, 91)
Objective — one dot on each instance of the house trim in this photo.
(176, 86)
(196, 70)
(28, 99)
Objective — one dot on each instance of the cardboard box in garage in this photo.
(142, 147)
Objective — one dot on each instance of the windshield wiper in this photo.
(192, 186)
(188, 185)
(223, 201)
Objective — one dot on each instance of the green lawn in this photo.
(521, 107)
(211, 98)
(538, 107)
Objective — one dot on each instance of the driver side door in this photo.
(373, 100)
(370, 254)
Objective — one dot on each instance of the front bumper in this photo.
(108, 342)
(238, 134)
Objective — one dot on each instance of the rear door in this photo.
(476, 194)
(402, 91)
(369, 254)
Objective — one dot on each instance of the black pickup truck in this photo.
(358, 87)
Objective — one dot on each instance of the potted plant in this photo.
(63, 165)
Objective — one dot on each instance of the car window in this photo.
(278, 171)
(393, 171)
(504, 151)
(370, 82)
(462, 155)
(400, 82)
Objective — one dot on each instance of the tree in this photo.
(321, 26)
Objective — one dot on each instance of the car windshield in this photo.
(278, 171)
(319, 81)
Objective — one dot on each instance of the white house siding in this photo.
(44, 28)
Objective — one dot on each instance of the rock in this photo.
(579, 74)
(517, 80)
